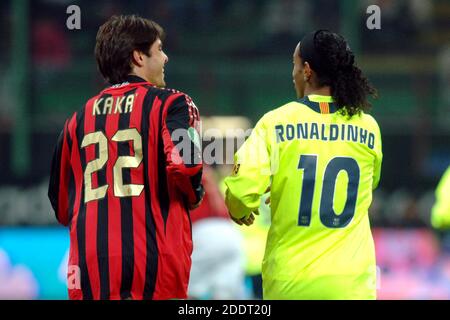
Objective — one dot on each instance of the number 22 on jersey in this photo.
(120, 189)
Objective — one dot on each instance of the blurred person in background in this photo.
(283, 19)
(16, 282)
(444, 84)
(118, 181)
(321, 156)
(440, 213)
(405, 20)
(254, 245)
(254, 241)
(51, 48)
(218, 259)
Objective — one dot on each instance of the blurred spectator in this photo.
(424, 205)
(5, 27)
(401, 210)
(217, 270)
(50, 46)
(25, 206)
(376, 208)
(255, 245)
(285, 22)
(326, 18)
(402, 21)
(16, 282)
(6, 99)
(254, 240)
(421, 11)
(444, 84)
(411, 265)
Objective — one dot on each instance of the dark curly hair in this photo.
(116, 40)
(349, 87)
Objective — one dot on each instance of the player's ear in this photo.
(307, 71)
(138, 58)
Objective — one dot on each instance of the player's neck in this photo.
(139, 74)
(323, 91)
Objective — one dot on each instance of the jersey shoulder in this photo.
(287, 108)
(167, 92)
(281, 113)
(370, 121)
(177, 97)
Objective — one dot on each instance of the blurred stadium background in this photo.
(234, 58)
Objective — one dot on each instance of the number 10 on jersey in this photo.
(328, 217)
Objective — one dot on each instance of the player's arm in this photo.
(378, 160)
(182, 147)
(251, 175)
(59, 176)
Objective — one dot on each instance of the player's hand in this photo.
(237, 221)
(196, 205)
(268, 198)
(248, 221)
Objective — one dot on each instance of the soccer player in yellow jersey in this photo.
(440, 213)
(321, 157)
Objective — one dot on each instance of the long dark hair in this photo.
(349, 87)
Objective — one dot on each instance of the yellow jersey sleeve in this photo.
(378, 158)
(251, 173)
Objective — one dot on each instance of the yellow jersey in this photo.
(321, 167)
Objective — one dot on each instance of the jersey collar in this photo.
(319, 103)
(131, 78)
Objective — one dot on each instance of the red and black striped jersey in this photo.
(123, 186)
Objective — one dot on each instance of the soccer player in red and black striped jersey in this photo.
(119, 180)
